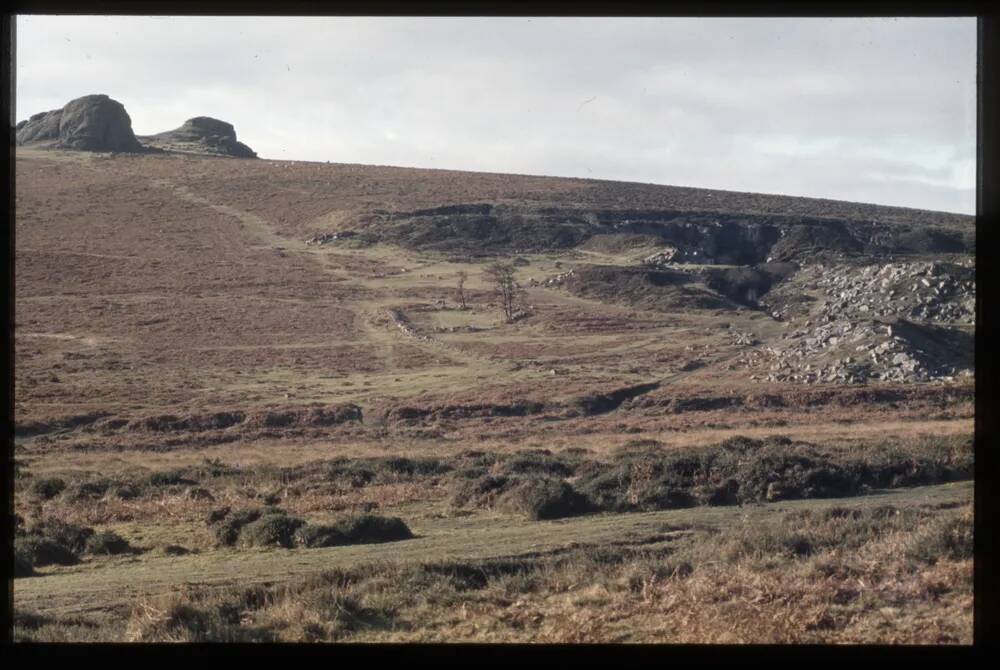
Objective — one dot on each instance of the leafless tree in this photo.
(501, 275)
(462, 276)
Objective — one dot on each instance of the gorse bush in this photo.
(270, 530)
(359, 529)
(48, 488)
(107, 543)
(42, 551)
(70, 535)
(543, 498)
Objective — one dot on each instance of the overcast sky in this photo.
(869, 110)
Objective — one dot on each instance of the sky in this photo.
(879, 110)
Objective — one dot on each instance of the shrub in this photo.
(216, 515)
(107, 543)
(127, 491)
(199, 493)
(175, 550)
(23, 566)
(370, 529)
(85, 490)
(320, 536)
(405, 466)
(227, 532)
(479, 492)
(359, 529)
(69, 535)
(269, 530)
(42, 551)
(544, 498)
(48, 488)
(604, 489)
(528, 463)
(169, 478)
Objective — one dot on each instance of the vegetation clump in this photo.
(48, 488)
(359, 529)
(108, 544)
(42, 551)
(23, 565)
(69, 535)
(275, 529)
(543, 498)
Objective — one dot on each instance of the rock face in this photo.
(98, 123)
(203, 135)
(90, 123)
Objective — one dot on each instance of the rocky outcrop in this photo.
(202, 135)
(98, 123)
(90, 123)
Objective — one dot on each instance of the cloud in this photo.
(853, 109)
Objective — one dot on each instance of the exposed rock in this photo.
(98, 123)
(900, 322)
(90, 123)
(203, 135)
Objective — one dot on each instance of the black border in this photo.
(987, 208)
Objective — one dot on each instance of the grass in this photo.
(868, 571)
(128, 325)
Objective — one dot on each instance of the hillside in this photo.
(226, 362)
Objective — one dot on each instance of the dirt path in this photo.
(103, 584)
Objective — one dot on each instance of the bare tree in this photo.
(462, 276)
(501, 275)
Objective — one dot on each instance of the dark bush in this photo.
(85, 490)
(480, 492)
(348, 473)
(107, 543)
(320, 536)
(227, 530)
(216, 515)
(176, 550)
(369, 528)
(270, 530)
(170, 478)
(48, 488)
(663, 493)
(127, 491)
(42, 551)
(605, 489)
(361, 529)
(406, 466)
(22, 564)
(69, 535)
(527, 463)
(544, 498)
(724, 493)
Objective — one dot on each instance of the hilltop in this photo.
(98, 123)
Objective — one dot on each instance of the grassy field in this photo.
(182, 348)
